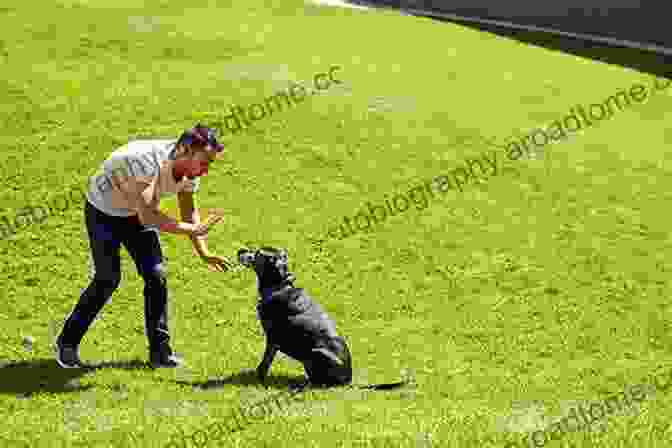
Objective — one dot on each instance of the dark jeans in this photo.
(106, 235)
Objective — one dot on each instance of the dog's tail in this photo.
(384, 386)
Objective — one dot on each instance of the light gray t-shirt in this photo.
(133, 166)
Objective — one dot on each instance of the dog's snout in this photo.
(245, 257)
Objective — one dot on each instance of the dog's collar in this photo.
(266, 294)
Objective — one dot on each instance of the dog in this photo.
(294, 323)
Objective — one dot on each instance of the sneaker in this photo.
(67, 356)
(164, 358)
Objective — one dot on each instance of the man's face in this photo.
(197, 162)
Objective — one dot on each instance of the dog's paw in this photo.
(261, 375)
(299, 386)
(326, 353)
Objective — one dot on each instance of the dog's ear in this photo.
(282, 259)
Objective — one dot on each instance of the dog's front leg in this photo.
(265, 364)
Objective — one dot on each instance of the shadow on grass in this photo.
(45, 375)
(134, 364)
(246, 378)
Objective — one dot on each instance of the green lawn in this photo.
(509, 303)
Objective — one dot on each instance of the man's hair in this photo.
(200, 136)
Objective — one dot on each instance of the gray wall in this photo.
(644, 21)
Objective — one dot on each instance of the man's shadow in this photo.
(246, 378)
(45, 375)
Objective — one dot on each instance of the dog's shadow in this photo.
(246, 378)
(26, 378)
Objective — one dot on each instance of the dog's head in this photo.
(270, 265)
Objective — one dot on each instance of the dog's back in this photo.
(296, 323)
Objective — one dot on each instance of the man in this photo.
(122, 207)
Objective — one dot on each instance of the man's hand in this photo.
(217, 263)
(202, 229)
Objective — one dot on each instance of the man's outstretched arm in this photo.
(191, 215)
(140, 194)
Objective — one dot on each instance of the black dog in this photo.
(294, 323)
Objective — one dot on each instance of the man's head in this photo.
(270, 265)
(196, 149)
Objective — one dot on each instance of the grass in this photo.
(511, 302)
